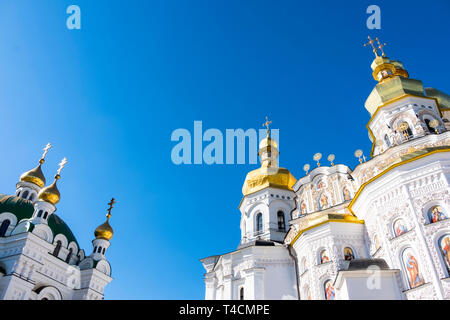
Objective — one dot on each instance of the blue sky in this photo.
(109, 96)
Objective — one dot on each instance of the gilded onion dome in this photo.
(35, 176)
(51, 193)
(105, 231)
(269, 175)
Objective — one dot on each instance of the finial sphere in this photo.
(358, 153)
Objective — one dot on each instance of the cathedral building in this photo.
(379, 231)
(40, 258)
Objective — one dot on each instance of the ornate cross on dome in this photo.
(380, 46)
(61, 165)
(47, 147)
(266, 124)
(371, 41)
(111, 205)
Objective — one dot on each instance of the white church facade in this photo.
(40, 258)
(380, 231)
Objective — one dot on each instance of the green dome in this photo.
(23, 209)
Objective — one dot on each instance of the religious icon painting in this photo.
(436, 214)
(399, 227)
(303, 208)
(324, 257)
(330, 292)
(346, 194)
(323, 201)
(444, 246)
(348, 254)
(413, 272)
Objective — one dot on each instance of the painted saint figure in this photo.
(412, 266)
(323, 201)
(329, 291)
(444, 245)
(303, 208)
(346, 194)
(399, 228)
(348, 254)
(436, 214)
(324, 257)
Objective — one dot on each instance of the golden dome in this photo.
(34, 176)
(265, 177)
(104, 231)
(51, 193)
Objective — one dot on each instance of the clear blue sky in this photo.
(108, 97)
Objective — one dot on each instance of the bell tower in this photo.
(268, 196)
(399, 108)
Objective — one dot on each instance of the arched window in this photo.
(241, 293)
(57, 248)
(25, 194)
(4, 227)
(45, 215)
(103, 252)
(39, 213)
(69, 255)
(324, 256)
(411, 265)
(444, 247)
(32, 197)
(259, 222)
(436, 214)
(329, 290)
(99, 250)
(281, 222)
(348, 254)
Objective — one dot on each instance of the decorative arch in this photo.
(9, 216)
(104, 267)
(48, 293)
(435, 211)
(442, 244)
(44, 232)
(62, 238)
(411, 267)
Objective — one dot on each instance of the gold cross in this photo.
(61, 165)
(266, 124)
(111, 205)
(47, 147)
(371, 43)
(380, 46)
